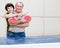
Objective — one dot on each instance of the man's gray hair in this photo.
(20, 3)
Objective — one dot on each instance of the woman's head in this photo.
(9, 7)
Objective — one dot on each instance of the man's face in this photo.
(19, 7)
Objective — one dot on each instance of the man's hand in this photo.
(14, 24)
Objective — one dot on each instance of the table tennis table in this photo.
(29, 40)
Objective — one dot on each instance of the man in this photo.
(17, 30)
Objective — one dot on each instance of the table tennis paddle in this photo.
(27, 18)
(13, 20)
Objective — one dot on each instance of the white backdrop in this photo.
(34, 7)
(45, 16)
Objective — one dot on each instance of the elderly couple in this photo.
(16, 30)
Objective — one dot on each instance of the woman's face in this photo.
(10, 9)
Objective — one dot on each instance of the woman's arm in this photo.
(10, 15)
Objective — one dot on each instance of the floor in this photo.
(30, 40)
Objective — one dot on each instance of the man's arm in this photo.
(23, 25)
(11, 24)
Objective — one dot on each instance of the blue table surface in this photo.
(30, 40)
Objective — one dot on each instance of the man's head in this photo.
(9, 7)
(19, 6)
